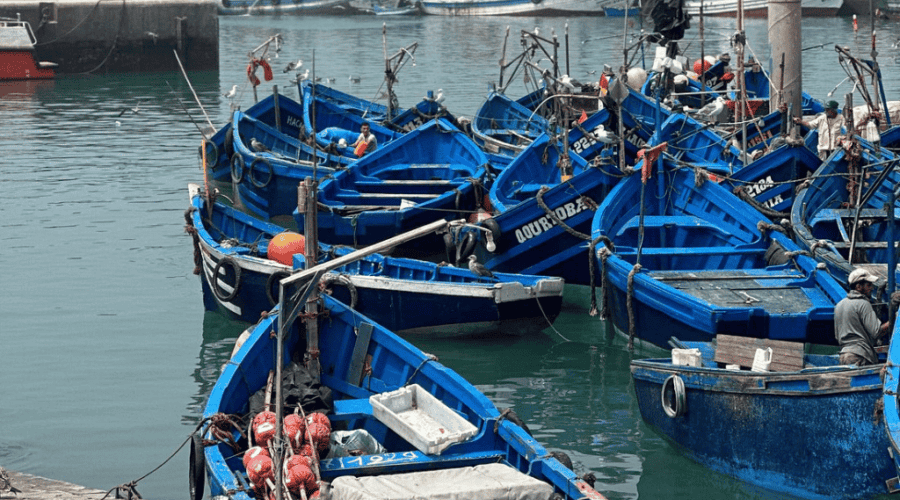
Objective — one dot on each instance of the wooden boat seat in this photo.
(425, 196)
(786, 356)
(728, 250)
(861, 244)
(843, 213)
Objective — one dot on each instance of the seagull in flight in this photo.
(478, 269)
(230, 93)
(354, 79)
(293, 65)
(133, 110)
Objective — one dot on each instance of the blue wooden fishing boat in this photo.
(890, 392)
(420, 426)
(267, 166)
(812, 432)
(846, 226)
(408, 296)
(434, 172)
(337, 117)
(770, 181)
(505, 126)
(220, 149)
(697, 261)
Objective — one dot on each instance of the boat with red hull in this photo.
(18, 59)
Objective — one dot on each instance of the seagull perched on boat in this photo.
(293, 65)
(604, 136)
(478, 269)
(5, 485)
(712, 111)
(231, 93)
(258, 146)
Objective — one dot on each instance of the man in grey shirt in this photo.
(856, 325)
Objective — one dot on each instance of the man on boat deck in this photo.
(829, 125)
(365, 137)
(856, 325)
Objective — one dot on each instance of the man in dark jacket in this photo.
(857, 327)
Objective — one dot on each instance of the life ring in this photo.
(237, 279)
(252, 176)
(340, 279)
(237, 168)
(212, 157)
(673, 398)
(197, 468)
(272, 282)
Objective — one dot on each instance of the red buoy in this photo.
(283, 247)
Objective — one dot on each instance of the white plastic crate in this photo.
(420, 418)
(686, 357)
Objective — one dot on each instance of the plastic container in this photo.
(420, 418)
(761, 360)
(735, 367)
(686, 357)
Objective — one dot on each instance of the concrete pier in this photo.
(102, 36)
(40, 488)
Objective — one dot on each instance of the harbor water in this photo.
(107, 355)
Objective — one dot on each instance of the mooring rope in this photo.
(630, 304)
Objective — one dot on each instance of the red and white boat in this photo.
(17, 53)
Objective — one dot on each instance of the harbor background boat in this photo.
(107, 353)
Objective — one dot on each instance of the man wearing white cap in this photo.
(856, 325)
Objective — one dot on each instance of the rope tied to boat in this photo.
(741, 192)
(220, 426)
(764, 227)
(195, 237)
(428, 357)
(509, 414)
(604, 254)
(700, 177)
(589, 203)
(630, 304)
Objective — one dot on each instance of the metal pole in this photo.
(277, 108)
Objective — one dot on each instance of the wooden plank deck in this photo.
(786, 356)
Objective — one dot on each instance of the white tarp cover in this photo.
(482, 482)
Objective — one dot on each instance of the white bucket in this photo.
(762, 359)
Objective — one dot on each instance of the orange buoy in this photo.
(259, 469)
(700, 69)
(284, 245)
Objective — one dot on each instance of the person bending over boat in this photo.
(366, 141)
(856, 326)
(829, 125)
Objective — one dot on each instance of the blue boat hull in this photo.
(391, 363)
(407, 296)
(528, 240)
(706, 267)
(813, 435)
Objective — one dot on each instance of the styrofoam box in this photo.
(420, 418)
(686, 357)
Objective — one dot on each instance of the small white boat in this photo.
(515, 7)
(760, 8)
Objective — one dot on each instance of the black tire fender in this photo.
(215, 279)
(272, 285)
(252, 176)
(672, 396)
(212, 157)
(229, 141)
(237, 168)
(197, 468)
